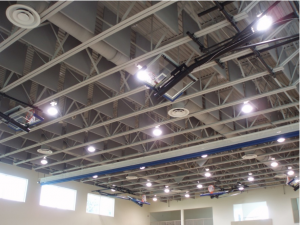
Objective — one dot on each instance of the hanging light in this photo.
(167, 190)
(250, 174)
(207, 169)
(187, 195)
(203, 156)
(290, 168)
(91, 149)
(142, 167)
(274, 164)
(264, 23)
(154, 198)
(207, 174)
(113, 190)
(143, 74)
(291, 173)
(44, 161)
(247, 108)
(251, 178)
(199, 185)
(280, 140)
(52, 111)
(157, 131)
(148, 184)
(95, 176)
(241, 188)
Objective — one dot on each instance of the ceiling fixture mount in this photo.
(23, 16)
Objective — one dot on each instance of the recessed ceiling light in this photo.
(280, 140)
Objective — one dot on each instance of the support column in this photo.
(182, 216)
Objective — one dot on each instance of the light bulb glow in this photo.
(289, 167)
(44, 161)
(52, 111)
(199, 186)
(143, 75)
(113, 190)
(207, 169)
(241, 188)
(148, 184)
(274, 164)
(187, 195)
(207, 174)
(154, 199)
(250, 174)
(280, 140)
(95, 176)
(204, 156)
(247, 108)
(251, 178)
(142, 168)
(291, 172)
(167, 190)
(157, 131)
(91, 149)
(264, 23)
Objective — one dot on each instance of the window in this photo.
(13, 188)
(251, 211)
(58, 197)
(100, 205)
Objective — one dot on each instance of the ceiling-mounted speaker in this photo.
(26, 14)
(178, 110)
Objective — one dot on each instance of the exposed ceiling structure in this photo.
(84, 56)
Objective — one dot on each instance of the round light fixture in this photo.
(274, 164)
(264, 23)
(241, 188)
(250, 174)
(154, 198)
(207, 169)
(91, 149)
(187, 195)
(142, 168)
(199, 185)
(157, 131)
(143, 75)
(148, 184)
(203, 156)
(52, 111)
(297, 180)
(207, 174)
(290, 168)
(291, 173)
(167, 190)
(280, 140)
(44, 161)
(251, 178)
(113, 190)
(247, 108)
(95, 176)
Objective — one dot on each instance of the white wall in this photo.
(165, 216)
(31, 213)
(279, 204)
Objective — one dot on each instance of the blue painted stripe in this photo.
(177, 158)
